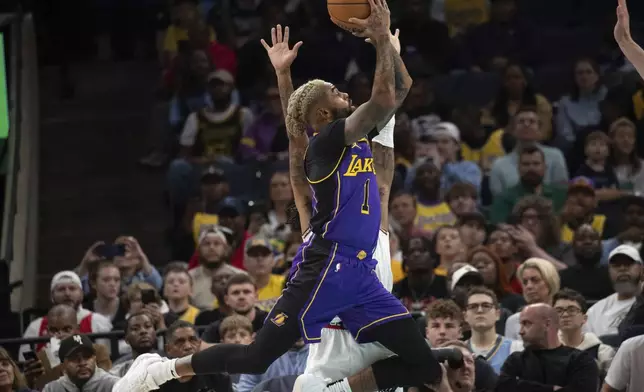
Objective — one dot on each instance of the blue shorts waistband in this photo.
(342, 249)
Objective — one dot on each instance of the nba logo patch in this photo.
(280, 319)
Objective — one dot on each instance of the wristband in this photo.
(386, 135)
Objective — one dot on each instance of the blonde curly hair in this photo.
(300, 105)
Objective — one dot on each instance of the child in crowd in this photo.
(596, 169)
(236, 329)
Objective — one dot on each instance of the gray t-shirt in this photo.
(626, 372)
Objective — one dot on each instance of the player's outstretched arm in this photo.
(402, 79)
(383, 94)
(633, 52)
(282, 58)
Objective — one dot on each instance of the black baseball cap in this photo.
(74, 343)
(231, 206)
(212, 175)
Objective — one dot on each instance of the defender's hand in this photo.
(280, 54)
(622, 30)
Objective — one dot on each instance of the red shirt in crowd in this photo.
(237, 259)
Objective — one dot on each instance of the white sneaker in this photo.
(137, 378)
(310, 383)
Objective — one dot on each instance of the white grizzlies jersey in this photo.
(338, 355)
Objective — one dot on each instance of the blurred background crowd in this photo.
(166, 205)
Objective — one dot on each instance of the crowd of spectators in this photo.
(517, 210)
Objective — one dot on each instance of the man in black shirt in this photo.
(182, 340)
(241, 296)
(545, 364)
(421, 287)
(587, 275)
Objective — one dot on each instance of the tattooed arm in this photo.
(402, 79)
(383, 94)
(298, 143)
(282, 56)
(301, 192)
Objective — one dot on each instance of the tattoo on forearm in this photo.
(285, 87)
(385, 65)
(296, 166)
(402, 79)
(377, 109)
(383, 161)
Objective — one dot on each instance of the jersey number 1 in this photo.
(365, 202)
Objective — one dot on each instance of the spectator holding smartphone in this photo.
(141, 297)
(128, 256)
(44, 366)
(11, 380)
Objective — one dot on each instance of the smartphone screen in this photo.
(29, 355)
(148, 297)
(119, 250)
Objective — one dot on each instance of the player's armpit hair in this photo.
(300, 104)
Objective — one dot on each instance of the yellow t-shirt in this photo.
(431, 217)
(201, 218)
(397, 270)
(190, 315)
(174, 34)
(462, 14)
(273, 289)
(598, 224)
(440, 271)
(485, 156)
(638, 104)
(268, 295)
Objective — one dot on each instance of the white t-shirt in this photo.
(626, 372)
(191, 127)
(605, 316)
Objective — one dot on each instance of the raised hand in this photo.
(622, 30)
(377, 24)
(395, 40)
(280, 54)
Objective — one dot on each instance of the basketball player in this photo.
(323, 360)
(336, 275)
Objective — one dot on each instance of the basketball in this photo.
(343, 10)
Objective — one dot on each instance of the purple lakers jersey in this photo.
(346, 203)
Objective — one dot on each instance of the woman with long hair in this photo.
(491, 268)
(537, 231)
(11, 379)
(506, 249)
(580, 108)
(105, 284)
(517, 91)
(624, 159)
